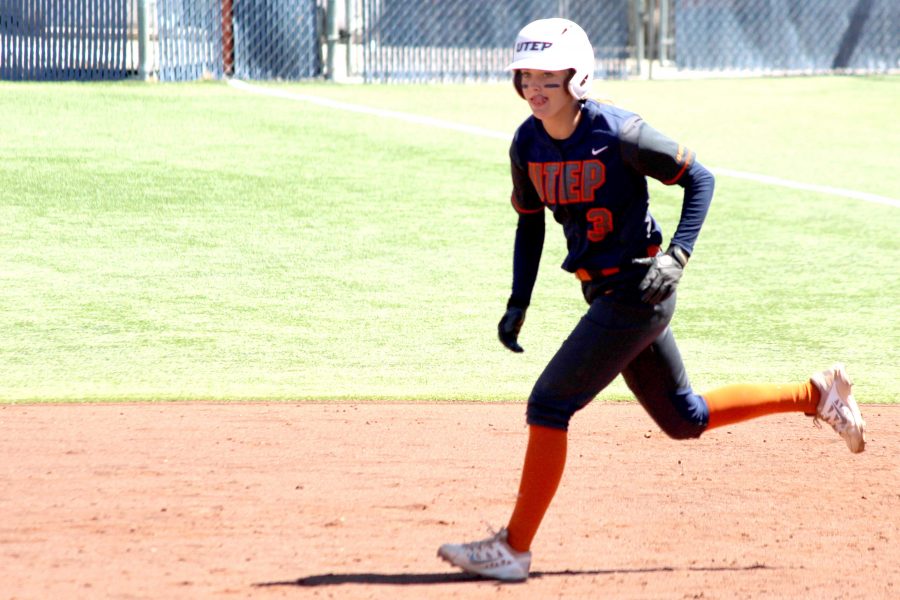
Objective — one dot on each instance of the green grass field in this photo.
(195, 242)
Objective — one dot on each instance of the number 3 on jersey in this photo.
(602, 222)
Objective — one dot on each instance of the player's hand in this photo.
(663, 275)
(509, 327)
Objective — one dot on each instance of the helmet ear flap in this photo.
(576, 86)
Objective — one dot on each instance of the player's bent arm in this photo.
(698, 183)
(651, 153)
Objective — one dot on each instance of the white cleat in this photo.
(493, 558)
(838, 408)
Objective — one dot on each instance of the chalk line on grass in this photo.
(810, 187)
(368, 110)
(490, 133)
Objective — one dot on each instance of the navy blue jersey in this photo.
(594, 183)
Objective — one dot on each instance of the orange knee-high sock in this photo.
(736, 403)
(545, 460)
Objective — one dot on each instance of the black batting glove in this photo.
(663, 275)
(509, 326)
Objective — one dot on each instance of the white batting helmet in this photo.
(556, 45)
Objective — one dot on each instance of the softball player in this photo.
(587, 163)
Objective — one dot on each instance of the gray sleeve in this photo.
(651, 153)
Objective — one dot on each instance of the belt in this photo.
(600, 274)
(590, 275)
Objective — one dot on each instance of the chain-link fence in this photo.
(434, 40)
(779, 36)
(66, 39)
(452, 41)
(250, 39)
(276, 39)
(467, 40)
(188, 39)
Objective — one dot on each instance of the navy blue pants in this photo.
(620, 334)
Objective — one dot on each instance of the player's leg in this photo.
(736, 403)
(605, 340)
(658, 379)
(827, 395)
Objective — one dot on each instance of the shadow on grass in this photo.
(329, 579)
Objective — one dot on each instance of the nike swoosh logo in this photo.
(596, 152)
(481, 562)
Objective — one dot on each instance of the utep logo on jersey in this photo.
(568, 182)
(532, 46)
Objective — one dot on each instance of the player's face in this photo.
(546, 92)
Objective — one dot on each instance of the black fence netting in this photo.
(774, 35)
(434, 40)
(60, 40)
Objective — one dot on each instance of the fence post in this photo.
(349, 16)
(663, 45)
(637, 16)
(144, 39)
(227, 38)
(331, 35)
(651, 36)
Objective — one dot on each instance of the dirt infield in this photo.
(352, 501)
